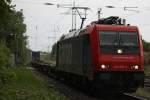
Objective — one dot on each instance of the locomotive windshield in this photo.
(111, 41)
(128, 39)
(108, 38)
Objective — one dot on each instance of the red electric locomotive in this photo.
(107, 53)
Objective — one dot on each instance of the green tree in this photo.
(12, 39)
(5, 9)
(15, 39)
(146, 46)
(12, 30)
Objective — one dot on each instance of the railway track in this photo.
(133, 97)
(45, 69)
(147, 81)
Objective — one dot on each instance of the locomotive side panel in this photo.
(77, 55)
(70, 55)
(64, 55)
(74, 56)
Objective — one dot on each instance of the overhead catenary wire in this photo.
(31, 2)
(61, 20)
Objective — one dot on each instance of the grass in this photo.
(28, 86)
(147, 70)
(143, 92)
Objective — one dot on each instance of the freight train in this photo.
(35, 56)
(107, 54)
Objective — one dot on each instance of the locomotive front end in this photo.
(120, 63)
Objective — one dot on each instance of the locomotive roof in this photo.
(73, 33)
(110, 23)
(79, 32)
(117, 27)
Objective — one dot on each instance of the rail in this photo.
(134, 97)
(147, 81)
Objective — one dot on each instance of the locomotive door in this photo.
(86, 54)
(87, 63)
(85, 59)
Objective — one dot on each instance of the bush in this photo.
(5, 75)
(147, 58)
(4, 55)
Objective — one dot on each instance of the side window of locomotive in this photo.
(108, 38)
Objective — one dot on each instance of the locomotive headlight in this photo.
(119, 51)
(136, 67)
(103, 66)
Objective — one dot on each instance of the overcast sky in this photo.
(45, 23)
